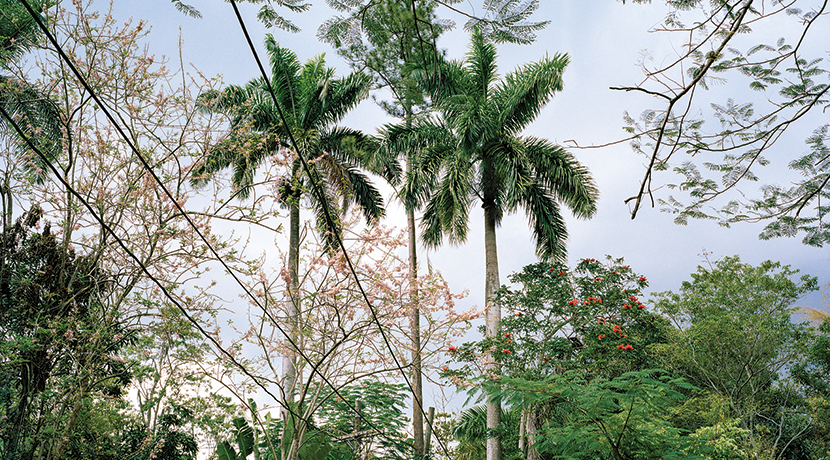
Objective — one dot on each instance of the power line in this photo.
(329, 221)
(146, 166)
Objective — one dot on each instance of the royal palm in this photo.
(484, 158)
(312, 102)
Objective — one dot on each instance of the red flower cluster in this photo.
(641, 306)
(547, 358)
(562, 273)
(601, 336)
(507, 335)
(617, 328)
(573, 302)
(642, 278)
(597, 279)
(444, 368)
(627, 307)
(505, 350)
(632, 298)
(626, 347)
(590, 260)
(518, 313)
(452, 349)
(601, 321)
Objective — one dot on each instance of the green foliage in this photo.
(737, 337)
(169, 441)
(737, 328)
(59, 339)
(625, 417)
(470, 430)
(33, 110)
(270, 439)
(382, 405)
(313, 101)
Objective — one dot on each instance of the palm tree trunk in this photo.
(289, 363)
(493, 318)
(415, 331)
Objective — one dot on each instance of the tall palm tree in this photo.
(312, 101)
(487, 160)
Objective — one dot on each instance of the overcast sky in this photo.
(605, 41)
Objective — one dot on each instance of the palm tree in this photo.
(487, 160)
(312, 101)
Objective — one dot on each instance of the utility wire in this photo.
(145, 164)
(329, 221)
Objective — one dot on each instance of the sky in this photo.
(605, 41)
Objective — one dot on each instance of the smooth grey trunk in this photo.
(289, 363)
(415, 330)
(492, 318)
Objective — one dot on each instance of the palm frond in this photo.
(342, 96)
(521, 95)
(546, 223)
(560, 173)
(285, 69)
(481, 63)
(38, 117)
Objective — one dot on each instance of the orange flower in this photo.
(452, 349)
(505, 350)
(601, 336)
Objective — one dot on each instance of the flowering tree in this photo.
(103, 168)
(587, 322)
(340, 341)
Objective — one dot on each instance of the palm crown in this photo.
(312, 101)
(486, 159)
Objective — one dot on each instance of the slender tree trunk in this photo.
(531, 427)
(493, 318)
(415, 330)
(289, 363)
(414, 311)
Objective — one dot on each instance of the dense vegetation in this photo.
(137, 200)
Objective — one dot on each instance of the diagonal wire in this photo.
(329, 221)
(164, 290)
(145, 164)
